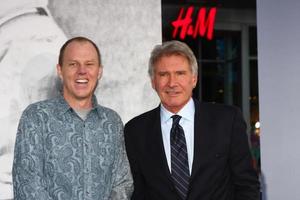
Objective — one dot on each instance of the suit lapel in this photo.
(156, 147)
(202, 137)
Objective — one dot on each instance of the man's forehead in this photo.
(77, 59)
(80, 43)
(74, 47)
(172, 70)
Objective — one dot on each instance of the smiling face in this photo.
(173, 81)
(79, 73)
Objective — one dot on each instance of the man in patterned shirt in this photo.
(70, 147)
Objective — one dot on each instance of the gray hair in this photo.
(169, 48)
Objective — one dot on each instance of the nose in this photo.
(81, 69)
(172, 80)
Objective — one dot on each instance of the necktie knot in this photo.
(175, 130)
(176, 119)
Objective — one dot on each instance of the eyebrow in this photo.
(74, 60)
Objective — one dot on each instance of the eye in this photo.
(72, 64)
(181, 72)
(162, 74)
(90, 64)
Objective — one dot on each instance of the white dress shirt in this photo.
(187, 114)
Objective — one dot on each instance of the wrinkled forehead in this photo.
(169, 55)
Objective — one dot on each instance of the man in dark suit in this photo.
(185, 149)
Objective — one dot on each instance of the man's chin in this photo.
(83, 96)
(173, 106)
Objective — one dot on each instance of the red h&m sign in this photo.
(204, 23)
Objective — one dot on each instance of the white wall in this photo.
(125, 31)
(279, 86)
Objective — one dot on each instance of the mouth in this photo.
(82, 81)
(172, 93)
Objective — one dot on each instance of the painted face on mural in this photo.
(79, 72)
(173, 81)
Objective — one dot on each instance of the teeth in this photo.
(81, 81)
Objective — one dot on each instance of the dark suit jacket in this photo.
(222, 167)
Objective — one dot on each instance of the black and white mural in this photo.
(31, 33)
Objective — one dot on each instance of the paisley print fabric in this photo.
(58, 156)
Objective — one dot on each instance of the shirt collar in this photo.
(187, 112)
(63, 105)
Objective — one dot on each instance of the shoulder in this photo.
(43, 108)
(137, 129)
(39, 106)
(218, 113)
(108, 114)
(144, 118)
(218, 107)
(35, 114)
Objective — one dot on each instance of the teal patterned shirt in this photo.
(58, 156)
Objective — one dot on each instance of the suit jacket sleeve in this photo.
(139, 183)
(244, 176)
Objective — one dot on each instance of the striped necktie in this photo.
(179, 158)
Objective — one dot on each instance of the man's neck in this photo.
(85, 103)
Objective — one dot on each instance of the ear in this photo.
(59, 71)
(194, 80)
(100, 72)
(153, 83)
